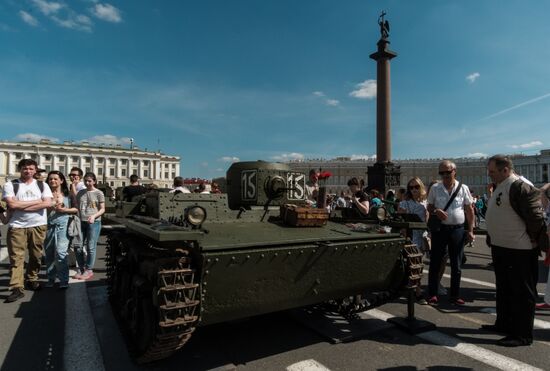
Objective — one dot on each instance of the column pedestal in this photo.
(384, 176)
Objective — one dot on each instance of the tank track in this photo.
(163, 285)
(411, 263)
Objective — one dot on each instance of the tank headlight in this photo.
(195, 215)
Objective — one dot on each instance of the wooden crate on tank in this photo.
(298, 216)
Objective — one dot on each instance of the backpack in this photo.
(16, 183)
(524, 197)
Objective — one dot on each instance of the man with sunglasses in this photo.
(451, 234)
(515, 232)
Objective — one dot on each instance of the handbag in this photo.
(434, 223)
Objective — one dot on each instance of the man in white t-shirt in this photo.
(27, 200)
(179, 187)
(451, 235)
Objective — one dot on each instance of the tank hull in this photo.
(248, 282)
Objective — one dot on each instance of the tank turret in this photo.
(260, 183)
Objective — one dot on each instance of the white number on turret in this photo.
(249, 185)
(297, 185)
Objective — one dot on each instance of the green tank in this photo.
(177, 262)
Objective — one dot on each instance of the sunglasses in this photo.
(447, 172)
(414, 187)
(74, 174)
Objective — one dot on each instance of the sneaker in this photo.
(421, 301)
(457, 301)
(63, 285)
(78, 276)
(543, 306)
(88, 274)
(441, 290)
(34, 285)
(50, 283)
(433, 300)
(15, 295)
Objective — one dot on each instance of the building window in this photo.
(112, 184)
(124, 184)
(100, 171)
(87, 159)
(48, 168)
(124, 161)
(62, 169)
(123, 172)
(61, 158)
(48, 157)
(75, 158)
(173, 166)
(111, 172)
(135, 162)
(165, 175)
(146, 173)
(134, 172)
(112, 161)
(33, 157)
(88, 169)
(146, 163)
(173, 175)
(18, 156)
(99, 160)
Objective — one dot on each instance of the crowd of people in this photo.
(46, 213)
(44, 217)
(516, 215)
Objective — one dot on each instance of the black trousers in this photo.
(516, 275)
(451, 240)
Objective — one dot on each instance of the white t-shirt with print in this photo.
(27, 192)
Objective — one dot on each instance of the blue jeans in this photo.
(90, 235)
(451, 238)
(56, 245)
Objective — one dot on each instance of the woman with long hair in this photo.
(56, 243)
(415, 203)
(91, 205)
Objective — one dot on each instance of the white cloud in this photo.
(318, 93)
(106, 12)
(27, 18)
(74, 21)
(332, 102)
(532, 144)
(365, 90)
(108, 139)
(204, 164)
(363, 157)
(32, 137)
(48, 8)
(229, 159)
(477, 155)
(288, 157)
(472, 77)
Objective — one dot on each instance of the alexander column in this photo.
(384, 174)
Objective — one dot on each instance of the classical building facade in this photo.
(111, 164)
(470, 171)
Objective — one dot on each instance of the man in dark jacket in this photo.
(516, 234)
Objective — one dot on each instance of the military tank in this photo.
(177, 262)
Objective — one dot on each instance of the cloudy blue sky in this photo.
(214, 81)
